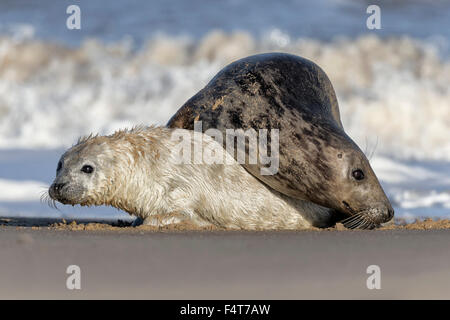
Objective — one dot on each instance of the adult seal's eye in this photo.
(59, 167)
(87, 169)
(358, 174)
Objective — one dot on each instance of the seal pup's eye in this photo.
(59, 167)
(358, 174)
(87, 169)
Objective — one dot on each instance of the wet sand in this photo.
(117, 261)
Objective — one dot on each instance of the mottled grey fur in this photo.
(292, 94)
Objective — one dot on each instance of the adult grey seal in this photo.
(318, 161)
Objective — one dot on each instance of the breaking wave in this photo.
(394, 93)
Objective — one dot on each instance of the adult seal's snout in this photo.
(318, 161)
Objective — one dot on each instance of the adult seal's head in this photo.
(318, 161)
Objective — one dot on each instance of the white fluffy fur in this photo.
(137, 172)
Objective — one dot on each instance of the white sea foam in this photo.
(394, 91)
(410, 199)
(17, 191)
(401, 172)
(415, 188)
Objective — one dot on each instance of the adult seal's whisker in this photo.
(354, 222)
(352, 219)
(365, 224)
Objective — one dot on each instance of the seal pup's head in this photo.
(107, 170)
(84, 172)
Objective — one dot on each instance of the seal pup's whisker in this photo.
(45, 198)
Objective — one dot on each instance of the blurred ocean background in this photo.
(136, 62)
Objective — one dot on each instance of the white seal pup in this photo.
(139, 171)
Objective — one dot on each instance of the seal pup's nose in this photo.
(57, 187)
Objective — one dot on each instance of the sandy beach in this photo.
(125, 262)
